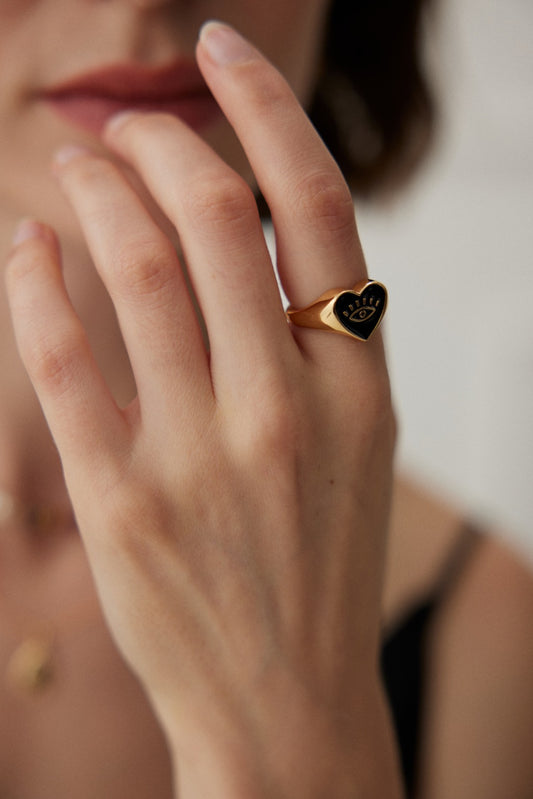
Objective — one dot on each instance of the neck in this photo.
(29, 465)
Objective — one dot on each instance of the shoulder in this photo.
(424, 531)
(485, 624)
(479, 710)
(493, 599)
(477, 729)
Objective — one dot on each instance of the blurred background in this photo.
(456, 252)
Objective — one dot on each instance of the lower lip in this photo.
(92, 113)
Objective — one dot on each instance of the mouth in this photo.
(89, 100)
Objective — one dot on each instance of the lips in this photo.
(89, 100)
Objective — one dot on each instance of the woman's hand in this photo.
(235, 513)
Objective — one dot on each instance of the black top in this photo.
(403, 659)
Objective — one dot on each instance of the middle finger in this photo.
(142, 273)
(310, 202)
(220, 232)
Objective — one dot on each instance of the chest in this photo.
(90, 733)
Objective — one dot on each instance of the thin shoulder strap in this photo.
(462, 551)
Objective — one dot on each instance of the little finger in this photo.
(90, 431)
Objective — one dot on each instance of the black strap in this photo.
(462, 550)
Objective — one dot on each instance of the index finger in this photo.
(311, 205)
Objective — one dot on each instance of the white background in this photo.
(456, 251)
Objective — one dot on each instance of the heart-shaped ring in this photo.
(353, 312)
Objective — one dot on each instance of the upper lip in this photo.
(135, 82)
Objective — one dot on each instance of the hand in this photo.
(235, 513)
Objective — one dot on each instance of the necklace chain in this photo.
(30, 667)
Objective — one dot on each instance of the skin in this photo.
(252, 630)
(148, 32)
(214, 518)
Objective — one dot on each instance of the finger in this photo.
(142, 273)
(89, 429)
(221, 235)
(311, 205)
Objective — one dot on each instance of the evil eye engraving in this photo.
(360, 314)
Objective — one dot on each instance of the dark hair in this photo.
(372, 105)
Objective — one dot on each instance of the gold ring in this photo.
(353, 312)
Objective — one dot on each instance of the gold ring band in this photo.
(355, 312)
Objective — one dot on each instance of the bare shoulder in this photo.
(479, 711)
(424, 530)
(477, 732)
(497, 589)
(486, 622)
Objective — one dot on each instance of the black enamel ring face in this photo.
(360, 314)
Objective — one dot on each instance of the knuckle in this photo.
(323, 199)
(221, 201)
(144, 268)
(52, 360)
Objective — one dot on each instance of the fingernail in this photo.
(224, 45)
(68, 153)
(27, 229)
(119, 119)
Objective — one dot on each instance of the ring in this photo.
(353, 312)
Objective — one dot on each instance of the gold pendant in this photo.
(30, 668)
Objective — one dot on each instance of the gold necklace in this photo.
(30, 666)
